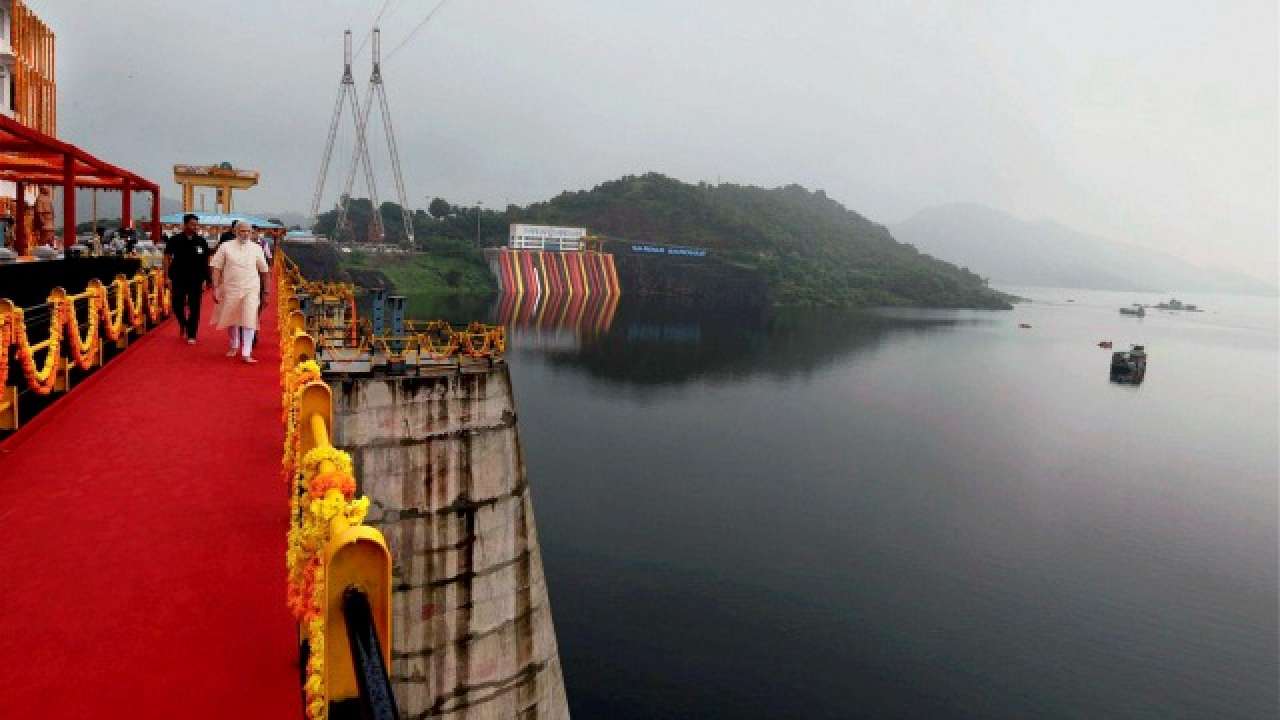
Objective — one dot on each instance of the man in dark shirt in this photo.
(226, 236)
(186, 261)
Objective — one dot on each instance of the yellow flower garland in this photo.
(82, 350)
(63, 320)
(316, 498)
(134, 306)
(40, 381)
(6, 333)
(112, 326)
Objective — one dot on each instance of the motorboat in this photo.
(1129, 368)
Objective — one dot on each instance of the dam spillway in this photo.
(543, 273)
(439, 457)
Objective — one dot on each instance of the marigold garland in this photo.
(63, 320)
(154, 287)
(112, 326)
(134, 306)
(40, 381)
(6, 334)
(315, 499)
(82, 351)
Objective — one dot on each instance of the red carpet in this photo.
(142, 539)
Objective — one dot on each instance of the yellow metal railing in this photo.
(138, 300)
(348, 335)
(330, 550)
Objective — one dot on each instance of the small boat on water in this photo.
(1135, 310)
(1104, 343)
(1024, 326)
(1129, 368)
(1175, 304)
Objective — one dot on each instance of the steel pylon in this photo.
(360, 159)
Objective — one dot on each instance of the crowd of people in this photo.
(236, 270)
(103, 241)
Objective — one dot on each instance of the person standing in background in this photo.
(227, 235)
(240, 285)
(267, 240)
(186, 264)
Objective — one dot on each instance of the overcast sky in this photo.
(1149, 122)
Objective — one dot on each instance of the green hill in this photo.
(810, 248)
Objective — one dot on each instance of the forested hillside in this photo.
(810, 249)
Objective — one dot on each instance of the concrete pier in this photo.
(440, 459)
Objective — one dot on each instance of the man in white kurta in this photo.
(239, 287)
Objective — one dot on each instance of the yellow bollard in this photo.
(295, 324)
(304, 348)
(315, 403)
(355, 558)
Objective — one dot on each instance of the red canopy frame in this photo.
(29, 157)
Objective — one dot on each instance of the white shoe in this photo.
(233, 352)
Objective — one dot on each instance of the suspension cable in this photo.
(369, 33)
(415, 29)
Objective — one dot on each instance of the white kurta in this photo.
(241, 286)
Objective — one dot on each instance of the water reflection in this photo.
(538, 318)
(653, 341)
(649, 342)
(936, 514)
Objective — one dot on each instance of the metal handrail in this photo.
(377, 700)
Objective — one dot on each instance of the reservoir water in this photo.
(907, 514)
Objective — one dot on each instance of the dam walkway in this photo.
(143, 530)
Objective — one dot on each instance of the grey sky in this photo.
(1150, 122)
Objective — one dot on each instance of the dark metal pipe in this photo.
(377, 701)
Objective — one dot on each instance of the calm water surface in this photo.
(907, 514)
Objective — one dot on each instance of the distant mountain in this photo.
(810, 249)
(1009, 250)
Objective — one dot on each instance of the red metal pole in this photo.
(68, 202)
(155, 215)
(126, 206)
(20, 219)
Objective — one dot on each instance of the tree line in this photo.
(810, 249)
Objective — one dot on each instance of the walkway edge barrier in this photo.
(331, 554)
(139, 302)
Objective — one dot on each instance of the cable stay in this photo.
(376, 19)
(416, 28)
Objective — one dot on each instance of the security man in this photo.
(186, 263)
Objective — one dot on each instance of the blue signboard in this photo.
(669, 250)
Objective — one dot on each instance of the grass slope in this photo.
(425, 273)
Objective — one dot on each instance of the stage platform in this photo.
(28, 283)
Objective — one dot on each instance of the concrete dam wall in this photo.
(440, 459)
(709, 281)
